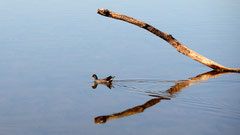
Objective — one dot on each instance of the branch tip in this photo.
(104, 12)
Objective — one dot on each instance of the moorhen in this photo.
(108, 79)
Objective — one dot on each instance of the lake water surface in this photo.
(50, 48)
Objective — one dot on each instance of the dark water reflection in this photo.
(171, 92)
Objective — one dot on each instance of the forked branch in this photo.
(169, 38)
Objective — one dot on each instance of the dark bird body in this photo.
(108, 79)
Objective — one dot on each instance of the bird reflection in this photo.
(108, 84)
(105, 81)
(178, 87)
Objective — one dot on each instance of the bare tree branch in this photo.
(168, 38)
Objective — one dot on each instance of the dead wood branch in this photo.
(169, 38)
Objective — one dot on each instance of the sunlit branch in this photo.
(168, 38)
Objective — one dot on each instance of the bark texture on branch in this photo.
(169, 38)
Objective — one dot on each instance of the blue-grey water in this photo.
(50, 48)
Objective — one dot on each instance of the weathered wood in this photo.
(169, 38)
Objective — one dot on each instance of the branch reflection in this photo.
(178, 87)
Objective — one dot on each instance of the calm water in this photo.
(50, 48)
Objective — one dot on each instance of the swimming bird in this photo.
(108, 79)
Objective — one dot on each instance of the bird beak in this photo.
(91, 75)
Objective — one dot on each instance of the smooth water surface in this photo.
(50, 48)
